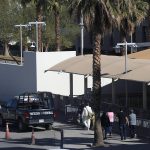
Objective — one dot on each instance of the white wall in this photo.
(55, 82)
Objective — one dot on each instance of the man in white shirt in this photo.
(87, 112)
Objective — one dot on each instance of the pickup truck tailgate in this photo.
(41, 116)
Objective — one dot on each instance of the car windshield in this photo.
(35, 101)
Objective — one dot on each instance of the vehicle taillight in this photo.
(26, 115)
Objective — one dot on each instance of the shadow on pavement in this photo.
(114, 144)
(19, 148)
(122, 147)
(38, 142)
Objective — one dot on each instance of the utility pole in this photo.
(20, 26)
(82, 33)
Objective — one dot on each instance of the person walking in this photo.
(132, 123)
(80, 110)
(105, 122)
(86, 116)
(123, 122)
(111, 117)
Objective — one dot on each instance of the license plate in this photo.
(41, 120)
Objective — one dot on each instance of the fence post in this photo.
(62, 138)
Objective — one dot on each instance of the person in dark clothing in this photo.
(105, 122)
(123, 122)
(80, 110)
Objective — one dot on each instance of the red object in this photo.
(26, 115)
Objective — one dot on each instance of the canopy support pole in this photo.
(85, 85)
(144, 97)
(113, 91)
(71, 84)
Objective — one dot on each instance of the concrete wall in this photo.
(15, 79)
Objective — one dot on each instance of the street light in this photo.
(126, 46)
(82, 31)
(36, 23)
(20, 26)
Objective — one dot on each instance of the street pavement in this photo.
(75, 137)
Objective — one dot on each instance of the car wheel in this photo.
(48, 127)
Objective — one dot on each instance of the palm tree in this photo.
(98, 17)
(131, 13)
(41, 5)
(148, 28)
(56, 6)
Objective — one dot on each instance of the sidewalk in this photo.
(74, 138)
(77, 138)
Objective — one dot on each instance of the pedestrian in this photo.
(132, 123)
(80, 110)
(105, 122)
(123, 122)
(87, 115)
(111, 117)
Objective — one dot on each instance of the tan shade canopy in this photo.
(141, 74)
(145, 54)
(117, 69)
(111, 67)
(77, 65)
(82, 64)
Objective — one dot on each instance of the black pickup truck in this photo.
(29, 109)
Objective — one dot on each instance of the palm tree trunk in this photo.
(148, 29)
(39, 18)
(98, 136)
(57, 30)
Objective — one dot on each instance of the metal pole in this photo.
(126, 72)
(131, 42)
(21, 42)
(37, 46)
(82, 33)
(36, 25)
(62, 138)
(126, 58)
(21, 51)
